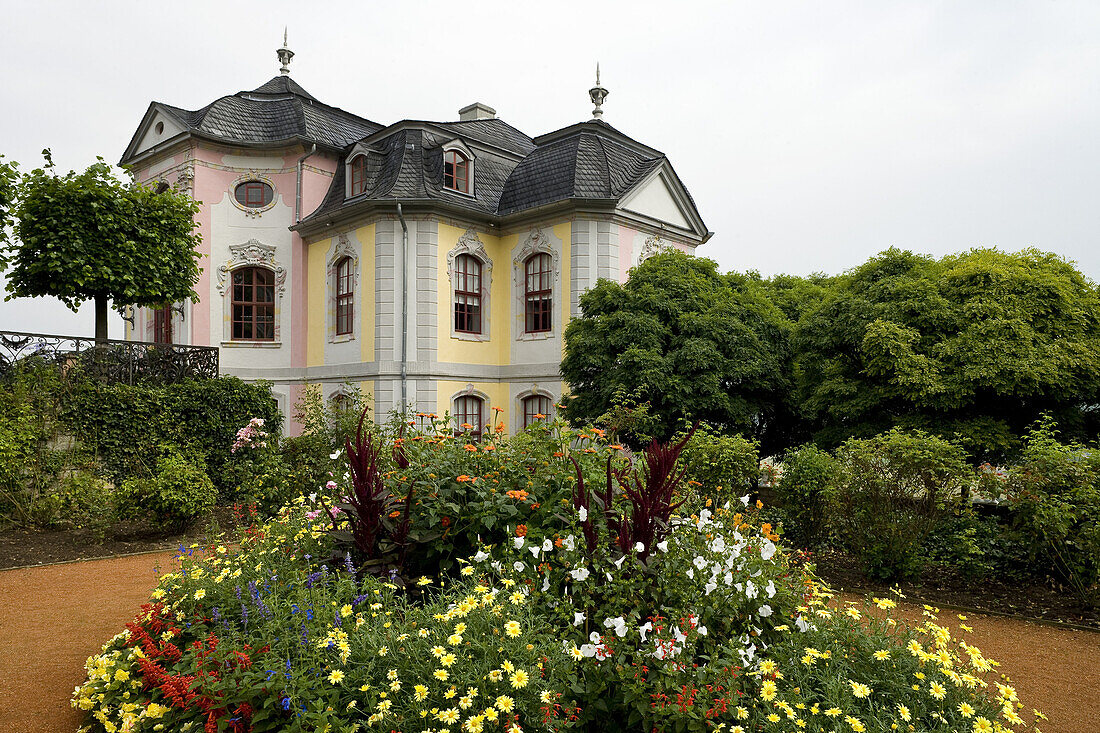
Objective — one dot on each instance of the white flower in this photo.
(728, 578)
(767, 550)
(645, 629)
(765, 610)
(495, 565)
(691, 573)
(709, 587)
(588, 650)
(335, 455)
(639, 547)
(802, 624)
(618, 624)
(518, 542)
(331, 486)
(680, 636)
(663, 545)
(719, 544)
(313, 496)
(481, 556)
(580, 574)
(770, 589)
(619, 562)
(545, 583)
(568, 543)
(747, 654)
(520, 567)
(594, 637)
(578, 618)
(699, 562)
(745, 499)
(704, 516)
(702, 630)
(547, 545)
(750, 590)
(583, 513)
(535, 550)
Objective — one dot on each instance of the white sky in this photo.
(811, 134)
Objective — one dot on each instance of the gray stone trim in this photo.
(427, 289)
(363, 372)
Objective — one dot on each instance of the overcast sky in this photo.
(811, 134)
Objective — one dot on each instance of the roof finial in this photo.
(285, 55)
(597, 94)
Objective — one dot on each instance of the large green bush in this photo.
(896, 486)
(723, 466)
(806, 490)
(173, 494)
(1055, 498)
(120, 422)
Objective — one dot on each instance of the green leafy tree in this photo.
(972, 347)
(692, 343)
(9, 176)
(90, 236)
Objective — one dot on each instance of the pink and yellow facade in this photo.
(399, 259)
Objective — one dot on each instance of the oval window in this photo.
(254, 194)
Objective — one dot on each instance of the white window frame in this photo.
(470, 244)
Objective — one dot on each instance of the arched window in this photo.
(162, 324)
(344, 297)
(468, 410)
(341, 403)
(253, 304)
(456, 171)
(535, 408)
(359, 175)
(539, 292)
(467, 294)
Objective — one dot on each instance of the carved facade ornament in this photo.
(252, 253)
(470, 244)
(185, 179)
(654, 245)
(344, 248)
(537, 241)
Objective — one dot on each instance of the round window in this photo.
(254, 194)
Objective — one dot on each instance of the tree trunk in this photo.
(101, 317)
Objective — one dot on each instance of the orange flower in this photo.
(540, 416)
(471, 448)
(536, 505)
(395, 515)
(490, 447)
(466, 426)
(759, 504)
(500, 427)
(558, 454)
(599, 432)
(521, 530)
(766, 528)
(463, 479)
(557, 542)
(615, 446)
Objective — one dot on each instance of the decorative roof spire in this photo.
(285, 55)
(597, 94)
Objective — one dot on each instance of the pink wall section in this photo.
(626, 248)
(314, 188)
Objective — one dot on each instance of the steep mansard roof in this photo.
(280, 111)
(589, 161)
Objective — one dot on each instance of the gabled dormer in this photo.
(458, 167)
(661, 198)
(361, 167)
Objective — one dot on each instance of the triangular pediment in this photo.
(658, 198)
(157, 126)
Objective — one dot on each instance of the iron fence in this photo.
(112, 361)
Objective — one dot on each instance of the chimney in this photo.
(477, 111)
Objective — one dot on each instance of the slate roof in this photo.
(278, 111)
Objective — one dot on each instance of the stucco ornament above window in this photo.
(654, 245)
(537, 241)
(253, 193)
(469, 244)
(252, 253)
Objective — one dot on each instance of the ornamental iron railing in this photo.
(111, 361)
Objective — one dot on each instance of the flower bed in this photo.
(611, 606)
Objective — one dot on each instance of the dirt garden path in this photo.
(53, 617)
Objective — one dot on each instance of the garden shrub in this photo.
(121, 423)
(326, 428)
(1054, 495)
(176, 491)
(723, 466)
(806, 491)
(896, 486)
(87, 501)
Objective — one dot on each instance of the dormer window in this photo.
(456, 171)
(359, 175)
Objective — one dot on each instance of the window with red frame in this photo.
(468, 412)
(344, 297)
(535, 408)
(456, 172)
(253, 304)
(359, 175)
(162, 325)
(467, 294)
(254, 194)
(539, 292)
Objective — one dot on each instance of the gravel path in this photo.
(52, 618)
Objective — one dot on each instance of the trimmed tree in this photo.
(90, 236)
